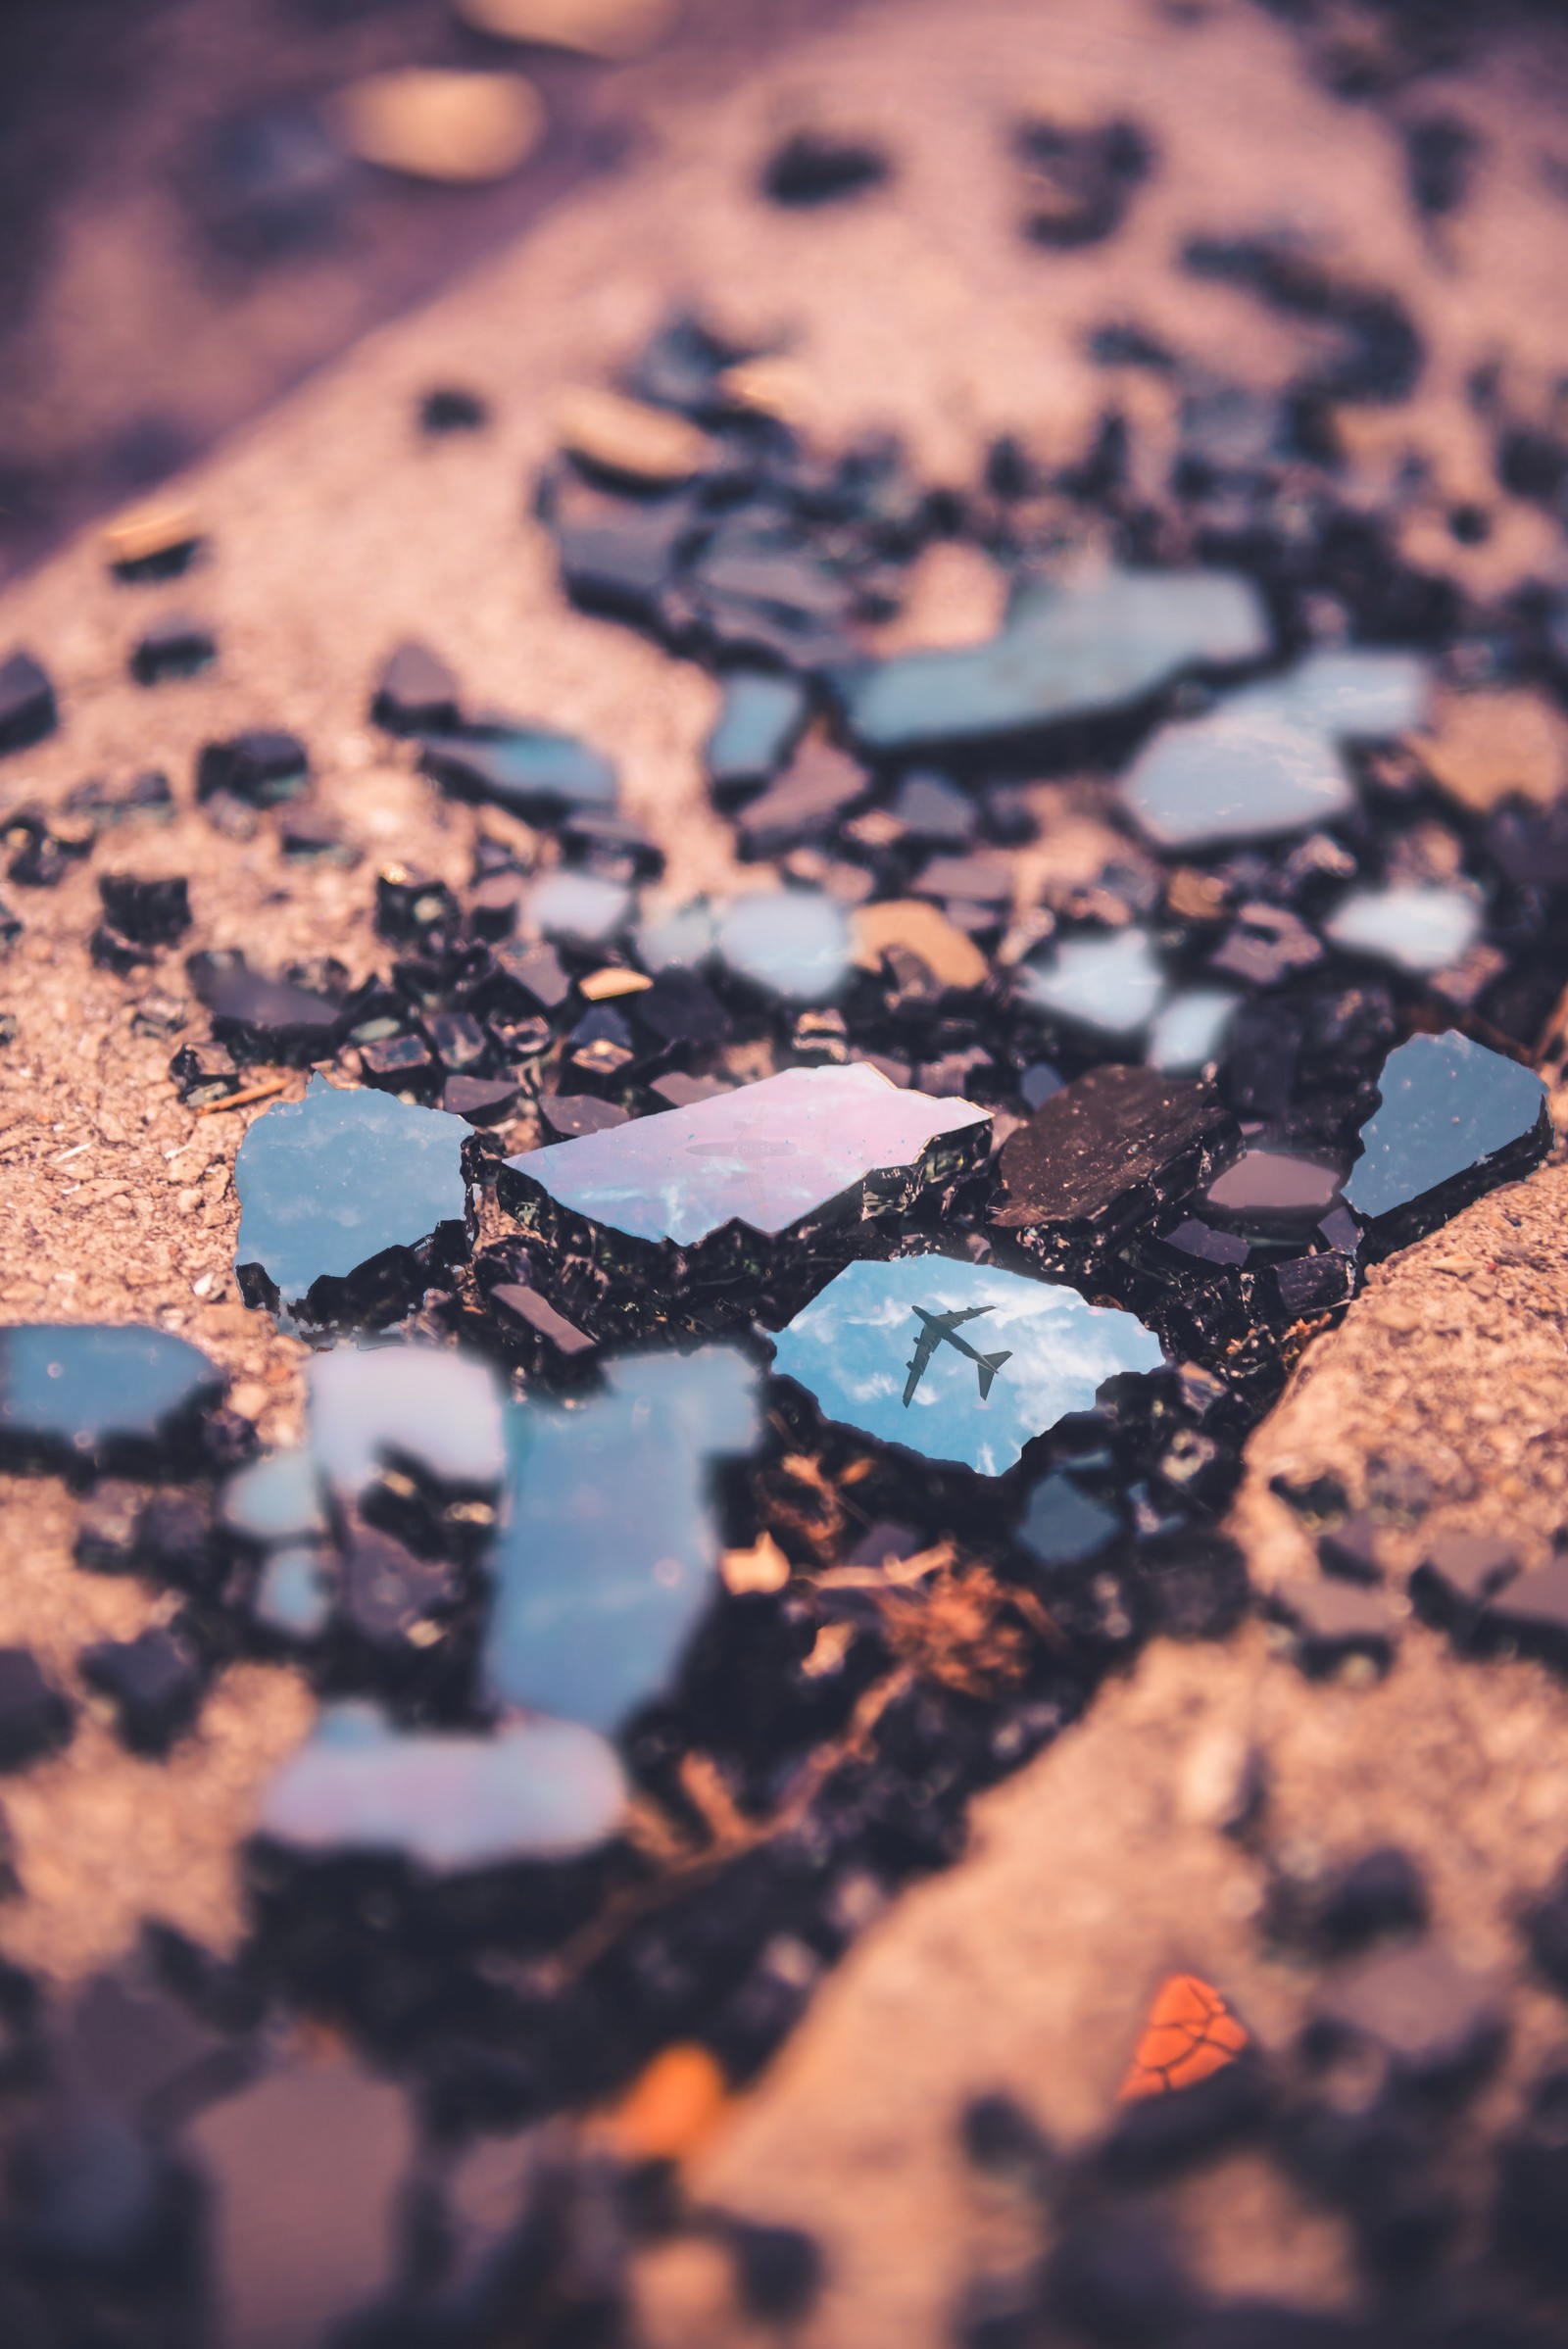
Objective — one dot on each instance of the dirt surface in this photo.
(334, 532)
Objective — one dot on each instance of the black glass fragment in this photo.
(34, 1718)
(1104, 1155)
(27, 711)
(260, 766)
(154, 1684)
(813, 168)
(416, 692)
(172, 648)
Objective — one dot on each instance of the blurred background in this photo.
(187, 228)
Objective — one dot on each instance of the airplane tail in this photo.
(990, 1364)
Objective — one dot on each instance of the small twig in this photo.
(241, 1100)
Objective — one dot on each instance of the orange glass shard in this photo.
(1191, 2032)
(670, 2107)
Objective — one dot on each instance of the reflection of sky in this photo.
(1416, 927)
(766, 1154)
(1267, 760)
(1446, 1103)
(1094, 639)
(448, 1798)
(328, 1183)
(1113, 983)
(84, 1383)
(609, 1551)
(851, 1348)
(794, 942)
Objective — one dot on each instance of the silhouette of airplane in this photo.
(942, 1329)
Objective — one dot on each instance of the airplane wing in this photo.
(925, 1347)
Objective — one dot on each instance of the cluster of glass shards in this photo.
(774, 1353)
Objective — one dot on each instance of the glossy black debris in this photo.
(450, 408)
(153, 912)
(174, 647)
(154, 1684)
(1104, 1154)
(761, 716)
(260, 767)
(531, 771)
(262, 1018)
(34, 1718)
(811, 168)
(416, 692)
(27, 711)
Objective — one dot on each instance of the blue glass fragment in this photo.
(765, 1156)
(1267, 761)
(578, 905)
(535, 772)
(450, 1800)
(1064, 1525)
(1452, 1119)
(294, 1593)
(1113, 984)
(411, 1404)
(677, 941)
(797, 943)
(1417, 928)
(611, 1553)
(1092, 641)
(85, 1395)
(763, 711)
(330, 1183)
(418, 1403)
(276, 1499)
(960, 1362)
(1190, 1031)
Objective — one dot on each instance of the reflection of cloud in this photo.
(851, 1349)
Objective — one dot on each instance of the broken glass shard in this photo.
(303, 2177)
(27, 709)
(154, 1682)
(764, 713)
(1089, 643)
(1064, 1525)
(261, 1017)
(106, 1397)
(374, 1406)
(294, 1593)
(821, 785)
(1266, 1187)
(1267, 761)
(1106, 1154)
(679, 939)
(172, 647)
(448, 1799)
(34, 1719)
(570, 1115)
(537, 773)
(962, 1363)
(346, 1197)
(929, 808)
(578, 907)
(796, 943)
(610, 1555)
(1453, 1120)
(1418, 928)
(766, 1155)
(416, 692)
(260, 767)
(1113, 984)
(1189, 1031)
(276, 1499)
